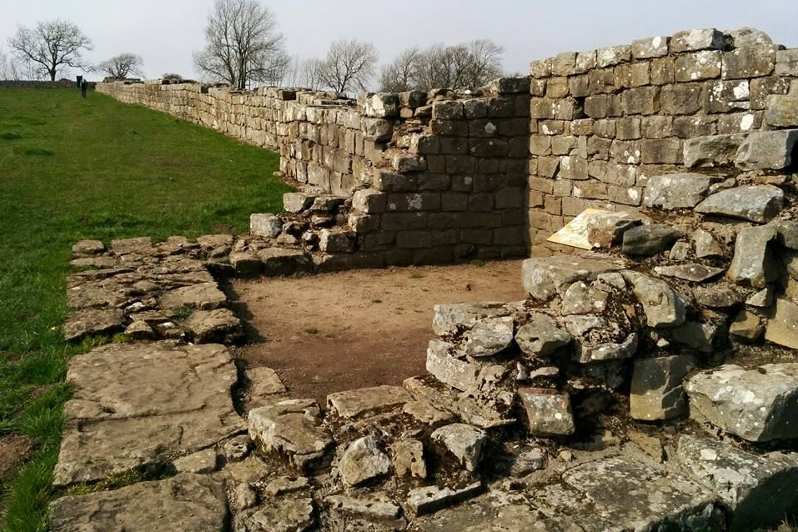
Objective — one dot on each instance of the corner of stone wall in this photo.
(604, 121)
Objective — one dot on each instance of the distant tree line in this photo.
(244, 48)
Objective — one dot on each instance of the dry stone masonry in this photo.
(607, 122)
(410, 178)
(649, 381)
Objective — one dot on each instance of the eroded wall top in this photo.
(604, 121)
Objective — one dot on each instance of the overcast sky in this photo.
(166, 32)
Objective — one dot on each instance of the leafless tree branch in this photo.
(122, 66)
(51, 46)
(464, 66)
(243, 45)
(348, 67)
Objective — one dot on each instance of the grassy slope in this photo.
(73, 169)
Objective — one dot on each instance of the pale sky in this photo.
(166, 32)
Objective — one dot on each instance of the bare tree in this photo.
(8, 68)
(463, 66)
(51, 46)
(122, 66)
(349, 66)
(398, 76)
(311, 74)
(243, 45)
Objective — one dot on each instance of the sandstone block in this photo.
(548, 413)
(698, 39)
(657, 392)
(757, 405)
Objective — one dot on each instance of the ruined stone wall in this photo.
(423, 177)
(605, 121)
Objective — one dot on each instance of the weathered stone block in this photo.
(755, 404)
(698, 66)
(613, 55)
(787, 62)
(699, 39)
(650, 48)
(749, 62)
(767, 150)
(642, 101)
(681, 99)
(782, 111)
(661, 151)
(548, 413)
(656, 391)
(714, 150)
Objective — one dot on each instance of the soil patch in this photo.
(14, 450)
(361, 328)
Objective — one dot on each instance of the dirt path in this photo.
(362, 328)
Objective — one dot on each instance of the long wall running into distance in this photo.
(441, 176)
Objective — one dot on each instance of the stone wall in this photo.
(417, 177)
(28, 84)
(605, 121)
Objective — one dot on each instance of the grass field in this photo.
(72, 169)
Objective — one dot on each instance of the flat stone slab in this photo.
(586, 230)
(189, 503)
(628, 494)
(759, 488)
(758, 203)
(695, 273)
(758, 404)
(355, 403)
(141, 404)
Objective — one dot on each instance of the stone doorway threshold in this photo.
(340, 331)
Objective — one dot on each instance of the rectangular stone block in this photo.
(613, 55)
(625, 195)
(787, 62)
(768, 150)
(540, 68)
(629, 128)
(681, 99)
(641, 101)
(585, 62)
(573, 168)
(686, 127)
(727, 96)
(782, 111)
(557, 87)
(698, 39)
(650, 48)
(740, 122)
(603, 105)
(661, 151)
(413, 239)
(599, 147)
(590, 190)
(698, 66)
(657, 127)
(761, 88)
(564, 64)
(663, 71)
(625, 151)
(602, 81)
(749, 62)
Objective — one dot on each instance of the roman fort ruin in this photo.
(648, 381)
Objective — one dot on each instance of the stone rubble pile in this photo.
(149, 291)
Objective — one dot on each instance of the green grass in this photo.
(72, 169)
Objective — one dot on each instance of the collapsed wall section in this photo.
(603, 122)
(410, 178)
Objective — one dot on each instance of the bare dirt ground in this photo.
(362, 328)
